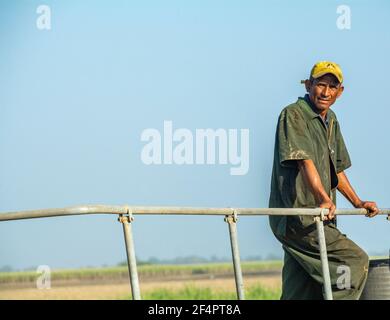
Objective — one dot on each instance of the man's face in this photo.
(324, 91)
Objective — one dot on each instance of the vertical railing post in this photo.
(130, 252)
(327, 288)
(232, 222)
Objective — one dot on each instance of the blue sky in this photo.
(75, 99)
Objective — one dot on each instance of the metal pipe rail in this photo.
(231, 216)
(150, 210)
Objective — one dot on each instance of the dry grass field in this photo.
(109, 291)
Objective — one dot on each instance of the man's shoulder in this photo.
(295, 105)
(295, 108)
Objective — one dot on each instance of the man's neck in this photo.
(324, 115)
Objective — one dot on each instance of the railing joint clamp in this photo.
(127, 217)
(232, 217)
(321, 216)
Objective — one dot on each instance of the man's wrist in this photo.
(323, 197)
(358, 203)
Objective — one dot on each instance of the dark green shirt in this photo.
(302, 134)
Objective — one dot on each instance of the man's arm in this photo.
(313, 181)
(349, 193)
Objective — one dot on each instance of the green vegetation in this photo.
(144, 271)
(256, 292)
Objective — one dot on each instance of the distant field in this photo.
(256, 288)
(262, 280)
(144, 272)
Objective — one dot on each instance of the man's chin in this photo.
(322, 107)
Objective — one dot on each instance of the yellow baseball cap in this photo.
(324, 67)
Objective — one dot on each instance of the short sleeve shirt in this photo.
(302, 134)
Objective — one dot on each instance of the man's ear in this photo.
(339, 93)
(308, 84)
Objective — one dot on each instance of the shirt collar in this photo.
(309, 108)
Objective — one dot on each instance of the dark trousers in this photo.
(302, 273)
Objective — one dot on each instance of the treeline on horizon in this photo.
(194, 259)
(191, 259)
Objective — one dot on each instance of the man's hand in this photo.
(370, 206)
(328, 204)
(346, 189)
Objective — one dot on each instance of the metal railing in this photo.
(126, 217)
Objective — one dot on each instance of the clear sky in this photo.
(75, 99)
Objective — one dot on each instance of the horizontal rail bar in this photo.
(150, 210)
(58, 212)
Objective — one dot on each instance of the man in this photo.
(309, 161)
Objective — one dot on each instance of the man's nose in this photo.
(325, 91)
